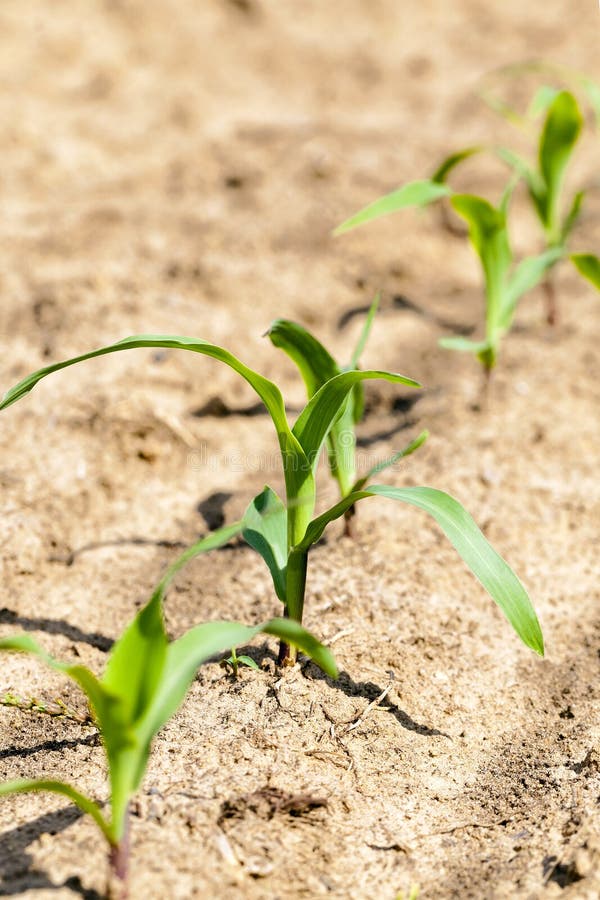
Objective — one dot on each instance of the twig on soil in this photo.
(338, 636)
(463, 826)
(58, 709)
(372, 705)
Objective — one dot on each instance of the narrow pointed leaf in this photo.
(265, 529)
(464, 345)
(413, 194)
(108, 706)
(212, 541)
(135, 665)
(572, 216)
(525, 277)
(386, 463)
(298, 475)
(541, 100)
(27, 785)
(559, 136)
(315, 421)
(452, 161)
(489, 568)
(365, 332)
(315, 363)
(534, 181)
(588, 265)
(489, 236)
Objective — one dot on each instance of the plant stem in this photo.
(349, 521)
(295, 587)
(551, 304)
(118, 860)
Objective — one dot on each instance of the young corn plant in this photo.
(283, 531)
(556, 213)
(317, 366)
(145, 682)
(504, 282)
(545, 180)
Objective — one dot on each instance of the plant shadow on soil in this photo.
(56, 626)
(15, 861)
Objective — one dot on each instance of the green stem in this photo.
(294, 607)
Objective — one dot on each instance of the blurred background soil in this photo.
(177, 167)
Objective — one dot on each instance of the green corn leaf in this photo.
(315, 363)
(111, 711)
(488, 235)
(108, 706)
(26, 785)
(386, 463)
(187, 653)
(315, 421)
(246, 661)
(572, 216)
(541, 100)
(489, 568)
(534, 181)
(317, 367)
(452, 161)
(212, 541)
(525, 277)
(365, 332)
(136, 662)
(560, 133)
(463, 344)
(415, 193)
(298, 475)
(265, 529)
(588, 265)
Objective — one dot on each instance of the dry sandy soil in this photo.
(177, 167)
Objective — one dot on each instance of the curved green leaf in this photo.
(489, 568)
(559, 136)
(316, 419)
(265, 529)
(364, 333)
(489, 236)
(298, 475)
(386, 463)
(588, 265)
(107, 705)
(415, 193)
(463, 344)
(212, 541)
(572, 216)
(135, 665)
(26, 785)
(525, 277)
(541, 100)
(452, 161)
(315, 363)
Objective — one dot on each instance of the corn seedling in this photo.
(284, 532)
(145, 682)
(234, 661)
(317, 366)
(545, 181)
(545, 185)
(504, 282)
